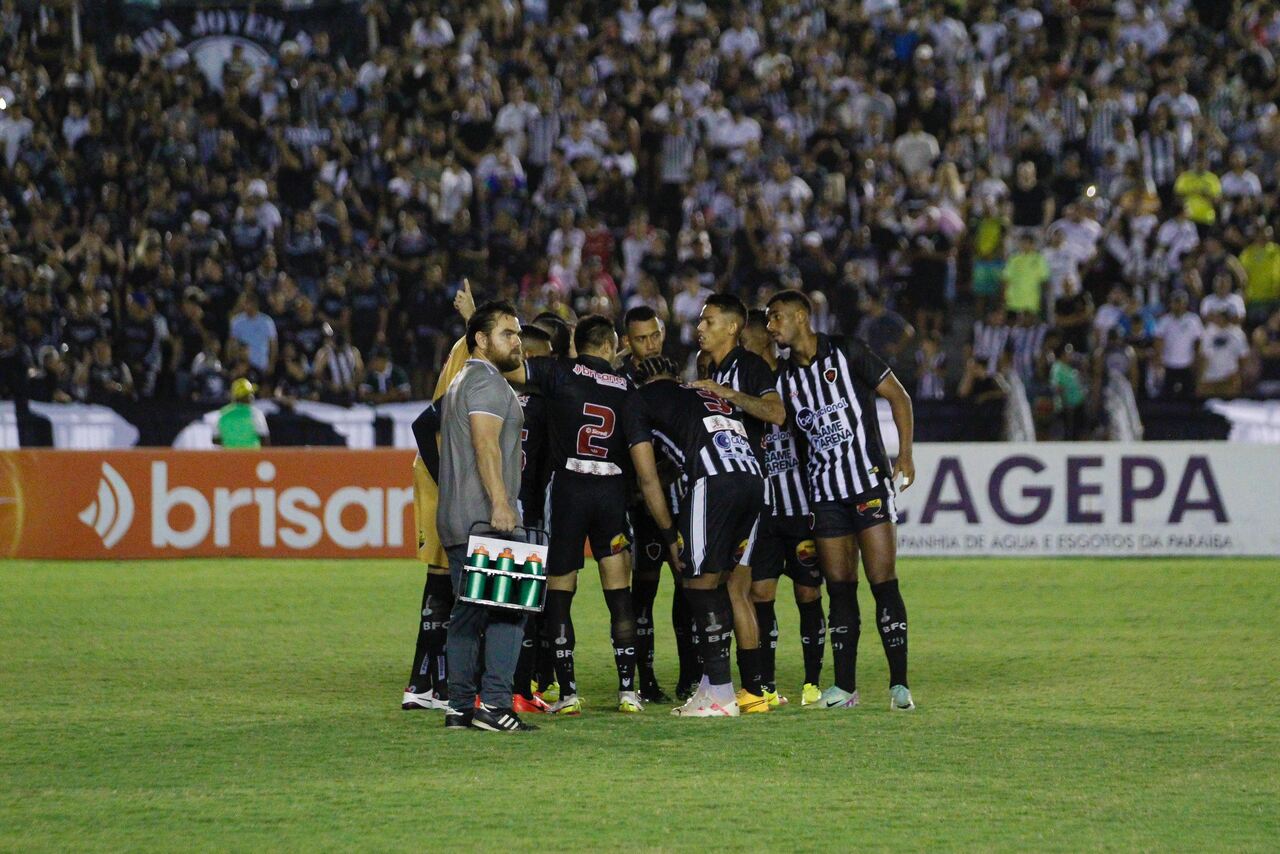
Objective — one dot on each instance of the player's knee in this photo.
(764, 591)
(805, 595)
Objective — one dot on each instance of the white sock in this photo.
(722, 694)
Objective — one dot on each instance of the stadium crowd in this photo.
(1100, 179)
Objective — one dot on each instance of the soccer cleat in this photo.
(775, 699)
(424, 700)
(900, 699)
(810, 694)
(570, 705)
(836, 697)
(749, 704)
(651, 692)
(708, 708)
(498, 720)
(522, 706)
(550, 694)
(696, 697)
(629, 702)
(453, 719)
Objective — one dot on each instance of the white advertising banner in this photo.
(1092, 498)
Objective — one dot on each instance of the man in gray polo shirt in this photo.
(480, 429)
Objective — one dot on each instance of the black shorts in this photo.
(585, 508)
(718, 522)
(785, 547)
(854, 515)
(648, 553)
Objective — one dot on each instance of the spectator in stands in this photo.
(383, 381)
(1223, 349)
(1266, 349)
(338, 368)
(1261, 262)
(887, 332)
(256, 332)
(209, 382)
(1025, 275)
(1177, 341)
(101, 379)
(294, 379)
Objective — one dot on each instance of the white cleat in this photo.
(629, 702)
(900, 699)
(425, 700)
(708, 708)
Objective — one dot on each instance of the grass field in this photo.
(255, 705)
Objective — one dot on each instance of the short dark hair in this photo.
(638, 314)
(592, 331)
(730, 304)
(529, 332)
(791, 297)
(554, 325)
(486, 317)
(757, 318)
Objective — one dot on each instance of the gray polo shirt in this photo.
(478, 388)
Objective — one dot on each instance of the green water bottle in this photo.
(503, 585)
(531, 587)
(476, 580)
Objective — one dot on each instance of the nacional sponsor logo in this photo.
(807, 418)
(807, 552)
(731, 444)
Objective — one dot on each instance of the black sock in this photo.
(686, 642)
(715, 628)
(844, 626)
(524, 664)
(767, 620)
(749, 670)
(644, 589)
(558, 628)
(437, 603)
(544, 659)
(813, 638)
(420, 671)
(891, 619)
(622, 631)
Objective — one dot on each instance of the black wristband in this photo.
(669, 535)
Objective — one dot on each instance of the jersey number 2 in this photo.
(590, 432)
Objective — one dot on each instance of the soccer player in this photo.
(536, 343)
(785, 543)
(587, 499)
(744, 380)
(829, 386)
(645, 338)
(702, 434)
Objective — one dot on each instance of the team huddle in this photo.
(764, 466)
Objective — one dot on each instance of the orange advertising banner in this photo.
(312, 502)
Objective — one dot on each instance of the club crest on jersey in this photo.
(830, 375)
(653, 550)
(806, 552)
(618, 544)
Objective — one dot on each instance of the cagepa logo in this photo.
(111, 513)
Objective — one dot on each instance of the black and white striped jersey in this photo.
(696, 430)
(786, 485)
(831, 403)
(746, 372)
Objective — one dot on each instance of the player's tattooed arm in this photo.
(768, 408)
(904, 419)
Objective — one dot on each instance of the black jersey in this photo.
(585, 398)
(696, 430)
(533, 449)
(831, 403)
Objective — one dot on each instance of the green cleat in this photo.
(550, 694)
(810, 694)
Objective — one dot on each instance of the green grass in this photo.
(255, 705)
